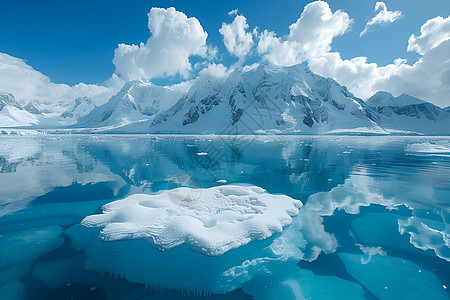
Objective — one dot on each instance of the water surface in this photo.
(375, 220)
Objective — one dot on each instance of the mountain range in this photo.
(264, 99)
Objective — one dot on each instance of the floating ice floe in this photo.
(430, 148)
(214, 240)
(211, 222)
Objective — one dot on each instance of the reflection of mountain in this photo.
(33, 167)
(304, 167)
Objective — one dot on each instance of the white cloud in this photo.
(233, 12)
(428, 78)
(356, 73)
(216, 70)
(317, 26)
(237, 40)
(310, 36)
(383, 17)
(24, 82)
(310, 40)
(175, 38)
(432, 33)
(267, 40)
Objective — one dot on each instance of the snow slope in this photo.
(12, 113)
(138, 100)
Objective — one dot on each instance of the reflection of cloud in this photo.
(424, 237)
(369, 252)
(357, 191)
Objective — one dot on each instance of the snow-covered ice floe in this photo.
(441, 148)
(211, 221)
(213, 240)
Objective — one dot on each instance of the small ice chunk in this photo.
(223, 181)
(430, 148)
(202, 153)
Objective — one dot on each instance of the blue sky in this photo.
(74, 41)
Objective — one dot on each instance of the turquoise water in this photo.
(374, 225)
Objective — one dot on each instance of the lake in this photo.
(375, 220)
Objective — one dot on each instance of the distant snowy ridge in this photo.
(409, 113)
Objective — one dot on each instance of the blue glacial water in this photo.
(375, 223)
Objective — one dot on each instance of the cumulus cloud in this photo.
(432, 33)
(310, 36)
(215, 70)
(310, 40)
(174, 39)
(236, 38)
(428, 78)
(267, 40)
(382, 18)
(24, 82)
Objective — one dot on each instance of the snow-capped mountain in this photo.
(82, 107)
(137, 101)
(265, 99)
(12, 113)
(409, 113)
(260, 99)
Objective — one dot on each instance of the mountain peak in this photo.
(7, 99)
(385, 99)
